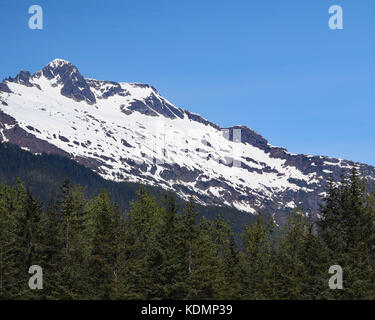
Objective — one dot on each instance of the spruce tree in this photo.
(172, 273)
(75, 245)
(256, 261)
(141, 254)
(105, 248)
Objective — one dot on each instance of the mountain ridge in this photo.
(129, 132)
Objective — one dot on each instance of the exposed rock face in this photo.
(22, 78)
(129, 132)
(198, 118)
(106, 89)
(73, 83)
(13, 133)
(4, 88)
(154, 106)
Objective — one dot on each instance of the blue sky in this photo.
(274, 66)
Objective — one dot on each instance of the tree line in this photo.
(89, 249)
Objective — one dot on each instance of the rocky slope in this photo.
(129, 132)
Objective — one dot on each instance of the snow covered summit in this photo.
(129, 132)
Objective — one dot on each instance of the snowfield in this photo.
(131, 133)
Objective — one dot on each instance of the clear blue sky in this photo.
(274, 66)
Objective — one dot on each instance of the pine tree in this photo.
(228, 254)
(75, 245)
(347, 227)
(141, 255)
(105, 247)
(52, 243)
(170, 240)
(256, 261)
(191, 231)
(301, 264)
(9, 281)
(20, 214)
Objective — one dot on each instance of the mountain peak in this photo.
(133, 134)
(73, 83)
(58, 63)
(58, 60)
(61, 68)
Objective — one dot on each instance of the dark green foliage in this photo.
(47, 171)
(257, 260)
(90, 249)
(348, 228)
(106, 233)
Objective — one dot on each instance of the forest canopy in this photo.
(89, 249)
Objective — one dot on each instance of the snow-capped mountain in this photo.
(129, 132)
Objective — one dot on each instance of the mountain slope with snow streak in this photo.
(129, 132)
